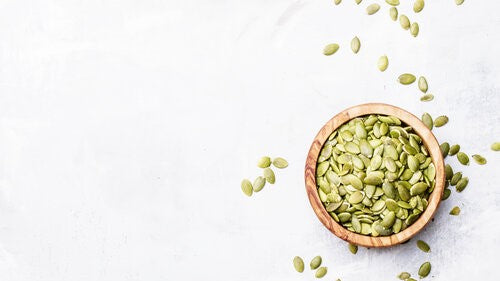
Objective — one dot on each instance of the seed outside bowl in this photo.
(429, 141)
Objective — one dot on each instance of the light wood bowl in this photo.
(432, 146)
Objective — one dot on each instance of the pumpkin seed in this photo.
(424, 269)
(330, 49)
(392, 2)
(280, 163)
(321, 272)
(264, 162)
(423, 246)
(337, 2)
(269, 175)
(404, 275)
(353, 248)
(298, 264)
(410, 279)
(246, 187)
(258, 184)
(462, 184)
(445, 148)
(355, 45)
(404, 22)
(406, 78)
(414, 29)
(446, 194)
(383, 63)
(448, 170)
(454, 149)
(372, 9)
(393, 13)
(463, 158)
(418, 6)
(456, 177)
(427, 97)
(459, 2)
(479, 159)
(358, 1)
(427, 120)
(455, 211)
(315, 262)
(441, 121)
(495, 146)
(422, 84)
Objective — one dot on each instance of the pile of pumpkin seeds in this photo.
(374, 175)
(315, 264)
(267, 175)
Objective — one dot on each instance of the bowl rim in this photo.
(429, 141)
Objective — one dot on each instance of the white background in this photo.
(127, 126)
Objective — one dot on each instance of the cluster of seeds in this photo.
(374, 175)
(315, 264)
(267, 175)
(423, 86)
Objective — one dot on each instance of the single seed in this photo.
(495, 146)
(315, 262)
(383, 63)
(448, 170)
(372, 9)
(404, 22)
(462, 184)
(445, 148)
(427, 97)
(355, 45)
(414, 29)
(422, 84)
(258, 184)
(418, 6)
(269, 175)
(456, 177)
(337, 2)
(455, 211)
(479, 159)
(393, 13)
(246, 187)
(427, 120)
(404, 275)
(459, 2)
(321, 272)
(392, 2)
(330, 49)
(264, 162)
(423, 246)
(441, 121)
(280, 163)
(406, 78)
(353, 248)
(446, 194)
(358, 1)
(454, 149)
(298, 264)
(463, 158)
(424, 269)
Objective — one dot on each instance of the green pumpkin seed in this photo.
(422, 84)
(424, 269)
(404, 22)
(404, 275)
(406, 78)
(454, 149)
(330, 49)
(383, 63)
(441, 121)
(455, 211)
(463, 158)
(321, 272)
(495, 146)
(337, 2)
(388, 220)
(355, 45)
(358, 1)
(445, 148)
(280, 163)
(427, 97)
(410, 279)
(427, 120)
(269, 175)
(264, 162)
(459, 2)
(315, 262)
(456, 177)
(298, 264)
(418, 188)
(246, 187)
(353, 248)
(414, 29)
(479, 159)
(448, 170)
(446, 194)
(258, 184)
(423, 246)
(372, 9)
(462, 184)
(418, 6)
(393, 13)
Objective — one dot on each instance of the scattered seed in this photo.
(393, 13)
(406, 78)
(454, 149)
(358, 1)
(446, 194)
(456, 177)
(269, 175)
(427, 120)
(495, 146)
(441, 121)
(280, 163)
(298, 264)
(422, 84)
(459, 2)
(258, 184)
(418, 6)
(479, 159)
(353, 248)
(414, 29)
(383, 63)
(423, 246)
(455, 211)
(372, 9)
(424, 270)
(463, 158)
(462, 184)
(355, 45)
(321, 272)
(445, 148)
(427, 97)
(410, 279)
(246, 187)
(404, 275)
(315, 262)
(404, 22)
(448, 170)
(392, 2)
(264, 162)
(337, 2)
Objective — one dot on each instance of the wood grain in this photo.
(310, 170)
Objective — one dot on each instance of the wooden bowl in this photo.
(432, 146)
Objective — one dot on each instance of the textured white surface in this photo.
(127, 126)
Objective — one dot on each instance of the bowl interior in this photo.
(429, 141)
